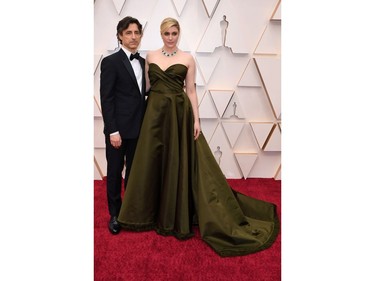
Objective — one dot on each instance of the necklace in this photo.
(169, 54)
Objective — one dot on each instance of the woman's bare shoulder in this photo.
(189, 59)
(150, 57)
(186, 55)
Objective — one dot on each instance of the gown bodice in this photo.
(170, 80)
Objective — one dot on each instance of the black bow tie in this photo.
(134, 56)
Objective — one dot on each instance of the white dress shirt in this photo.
(136, 67)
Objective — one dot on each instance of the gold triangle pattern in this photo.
(210, 6)
(262, 131)
(276, 15)
(246, 162)
(179, 5)
(119, 4)
(221, 100)
(232, 130)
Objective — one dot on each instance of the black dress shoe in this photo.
(114, 226)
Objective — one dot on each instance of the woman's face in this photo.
(170, 37)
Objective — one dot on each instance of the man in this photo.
(122, 96)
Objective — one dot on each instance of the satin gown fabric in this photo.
(176, 182)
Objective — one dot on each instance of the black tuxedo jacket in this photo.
(123, 104)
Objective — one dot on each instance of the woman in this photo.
(175, 180)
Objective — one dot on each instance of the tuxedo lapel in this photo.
(128, 66)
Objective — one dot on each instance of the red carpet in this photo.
(138, 256)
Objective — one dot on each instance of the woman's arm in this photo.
(148, 85)
(192, 94)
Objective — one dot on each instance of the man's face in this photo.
(131, 37)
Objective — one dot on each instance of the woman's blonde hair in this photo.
(167, 23)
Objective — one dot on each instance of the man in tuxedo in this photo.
(122, 97)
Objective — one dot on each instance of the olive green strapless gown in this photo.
(176, 182)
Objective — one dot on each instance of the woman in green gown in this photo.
(175, 180)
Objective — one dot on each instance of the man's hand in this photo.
(115, 140)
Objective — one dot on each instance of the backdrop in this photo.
(237, 48)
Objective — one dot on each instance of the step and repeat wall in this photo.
(237, 49)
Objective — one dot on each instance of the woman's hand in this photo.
(197, 129)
